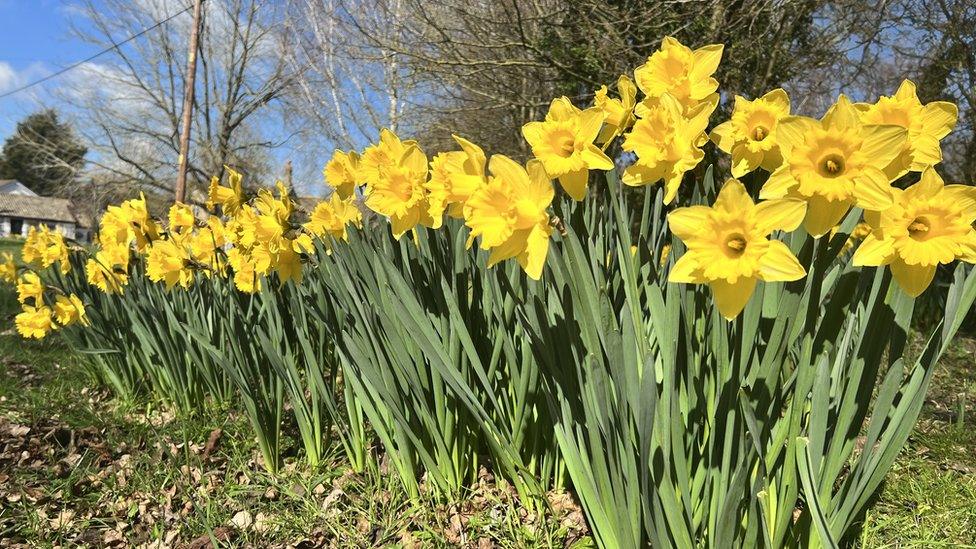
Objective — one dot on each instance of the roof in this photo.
(44, 208)
(12, 186)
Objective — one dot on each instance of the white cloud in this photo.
(8, 77)
(11, 78)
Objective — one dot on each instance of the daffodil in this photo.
(926, 125)
(43, 247)
(454, 176)
(729, 248)
(396, 172)
(833, 164)
(144, 229)
(667, 144)
(30, 287)
(34, 322)
(246, 276)
(750, 136)
(619, 111)
(288, 263)
(341, 173)
(332, 217)
(929, 224)
(108, 269)
(169, 263)
(509, 214)
(8, 269)
(564, 145)
(70, 310)
(204, 245)
(229, 198)
(678, 71)
(181, 218)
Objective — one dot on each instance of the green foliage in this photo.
(431, 349)
(679, 428)
(675, 426)
(43, 153)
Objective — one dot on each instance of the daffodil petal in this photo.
(596, 159)
(732, 298)
(779, 184)
(574, 183)
(779, 99)
(939, 117)
(685, 270)
(913, 279)
(823, 215)
(792, 131)
(723, 136)
(874, 252)
(779, 264)
(882, 144)
(533, 257)
(686, 222)
(784, 214)
(733, 197)
(873, 191)
(745, 160)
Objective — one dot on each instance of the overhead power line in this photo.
(114, 46)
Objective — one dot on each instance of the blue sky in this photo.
(35, 40)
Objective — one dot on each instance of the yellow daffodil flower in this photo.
(331, 217)
(619, 111)
(204, 245)
(929, 224)
(750, 136)
(43, 247)
(833, 164)
(144, 228)
(246, 276)
(454, 176)
(926, 125)
(341, 173)
(728, 248)
(667, 144)
(396, 172)
(509, 214)
(288, 263)
(70, 310)
(229, 198)
(108, 270)
(684, 74)
(168, 262)
(181, 218)
(30, 287)
(564, 145)
(34, 322)
(8, 269)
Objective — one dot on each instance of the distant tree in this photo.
(43, 153)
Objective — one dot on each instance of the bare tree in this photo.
(129, 106)
(483, 68)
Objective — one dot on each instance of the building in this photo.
(21, 209)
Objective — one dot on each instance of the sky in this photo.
(35, 40)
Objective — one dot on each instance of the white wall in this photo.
(66, 229)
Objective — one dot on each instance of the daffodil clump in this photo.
(655, 127)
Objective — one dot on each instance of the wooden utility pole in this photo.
(191, 75)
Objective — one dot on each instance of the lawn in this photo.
(77, 467)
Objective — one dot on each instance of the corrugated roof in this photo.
(44, 208)
(12, 186)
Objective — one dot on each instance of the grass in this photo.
(78, 468)
(929, 498)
